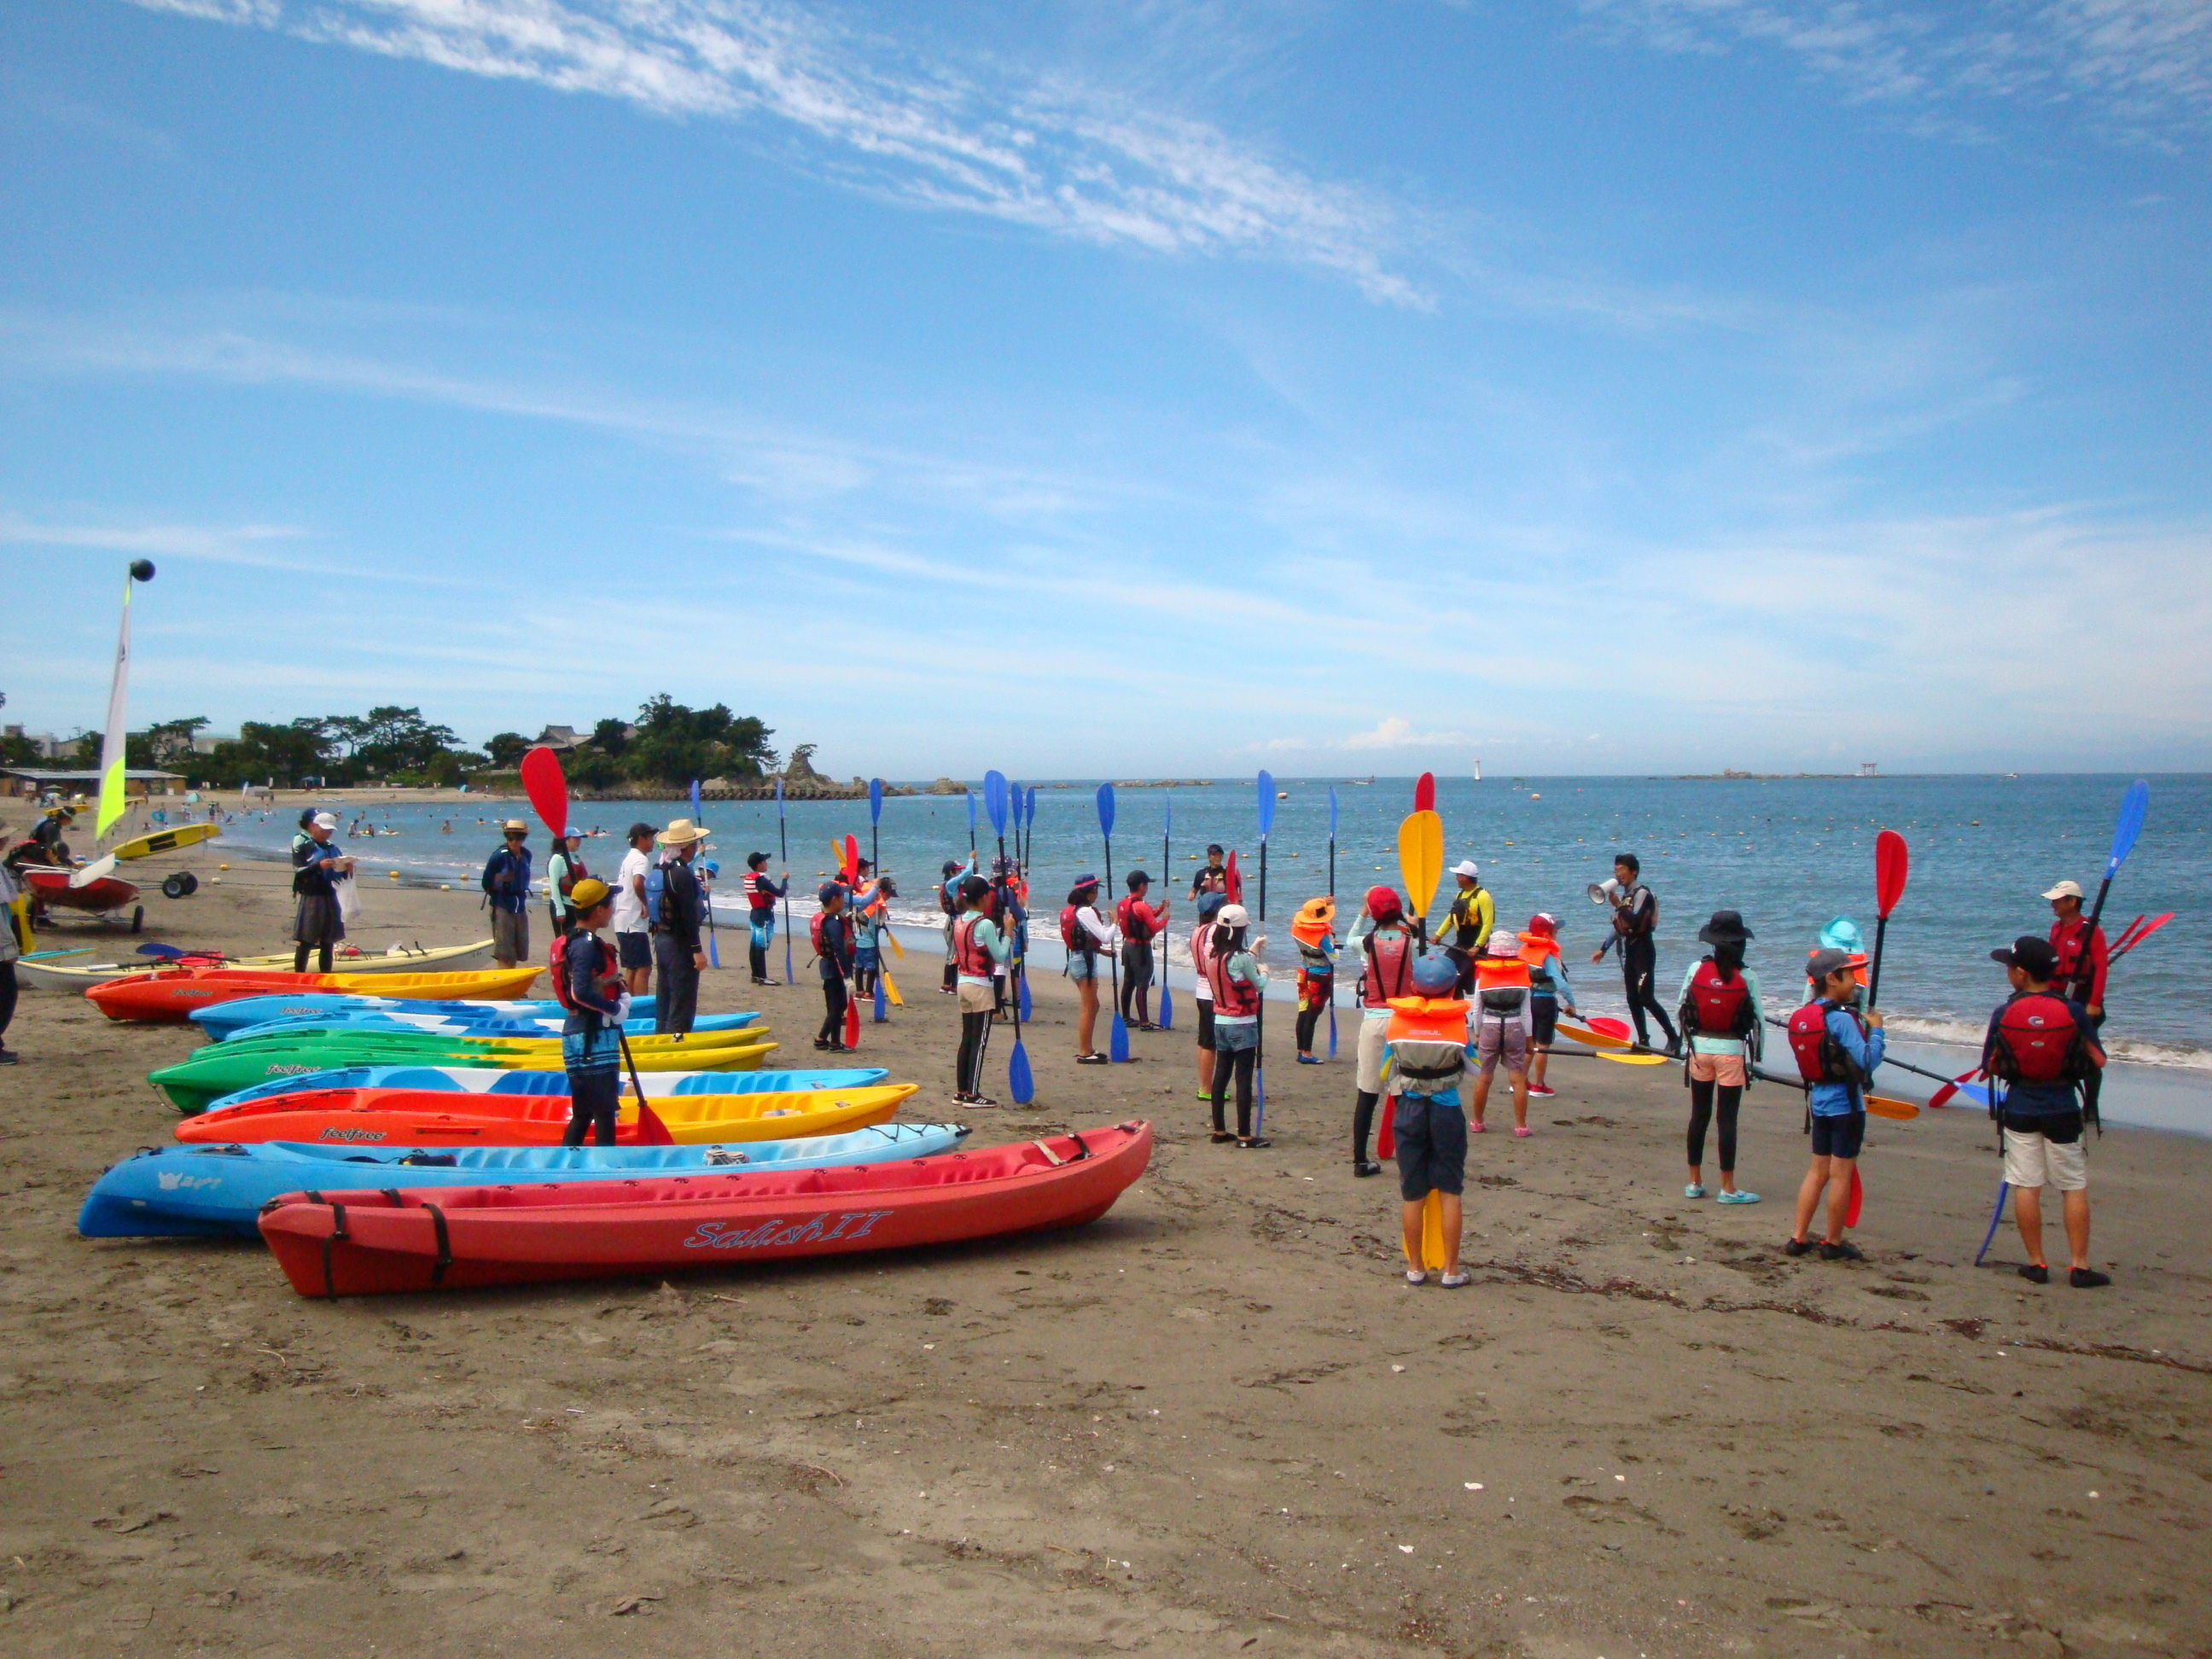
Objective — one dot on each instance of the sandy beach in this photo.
(1217, 1421)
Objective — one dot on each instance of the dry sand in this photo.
(1216, 1421)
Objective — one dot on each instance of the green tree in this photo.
(610, 737)
(394, 739)
(675, 744)
(158, 745)
(507, 750)
(285, 753)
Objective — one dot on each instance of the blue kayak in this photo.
(203, 1192)
(377, 1020)
(224, 1019)
(490, 1080)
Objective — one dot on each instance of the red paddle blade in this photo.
(1236, 883)
(1425, 793)
(1386, 1141)
(1890, 858)
(2141, 933)
(1943, 1095)
(1607, 1024)
(852, 1023)
(852, 859)
(547, 789)
(1858, 1199)
(651, 1131)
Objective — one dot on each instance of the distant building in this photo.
(22, 781)
(560, 737)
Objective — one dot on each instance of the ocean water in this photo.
(1789, 854)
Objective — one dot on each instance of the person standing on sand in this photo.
(870, 917)
(1635, 919)
(1503, 1023)
(1140, 925)
(1426, 1040)
(677, 950)
(1837, 1050)
(12, 948)
(1547, 989)
(1212, 877)
(633, 932)
(1209, 908)
(2043, 1046)
(2083, 961)
(1238, 982)
(761, 897)
(506, 882)
(1720, 1011)
(588, 982)
(948, 905)
(1088, 935)
(316, 924)
(1314, 932)
(563, 870)
(1387, 952)
(833, 955)
(979, 953)
(1466, 932)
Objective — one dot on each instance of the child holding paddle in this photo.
(833, 952)
(1234, 975)
(1837, 1049)
(587, 982)
(979, 954)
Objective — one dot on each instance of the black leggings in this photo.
(594, 1099)
(1639, 966)
(299, 959)
(974, 1040)
(1308, 1019)
(758, 954)
(1363, 1125)
(8, 992)
(1701, 1114)
(1237, 1063)
(1136, 984)
(834, 999)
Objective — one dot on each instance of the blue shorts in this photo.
(863, 961)
(637, 949)
(1230, 1036)
(1431, 1136)
(1080, 966)
(1839, 1135)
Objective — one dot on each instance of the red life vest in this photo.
(756, 893)
(1073, 934)
(1820, 1058)
(1232, 997)
(970, 956)
(1718, 1008)
(1201, 947)
(556, 963)
(1136, 927)
(1389, 969)
(2039, 1040)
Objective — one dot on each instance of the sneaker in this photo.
(1538, 1091)
(1693, 1190)
(1206, 1095)
(1456, 1280)
(1100, 1060)
(2036, 1273)
(7, 1056)
(1308, 1059)
(2087, 1278)
(1845, 1251)
(1364, 1166)
(1739, 1196)
(1674, 1048)
(767, 981)
(1522, 1131)
(1478, 1127)
(1415, 1276)
(1797, 1247)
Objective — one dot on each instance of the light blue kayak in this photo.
(217, 1191)
(222, 1019)
(491, 1080)
(378, 1020)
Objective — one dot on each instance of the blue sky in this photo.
(1126, 388)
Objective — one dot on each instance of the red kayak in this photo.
(52, 887)
(370, 1242)
(170, 993)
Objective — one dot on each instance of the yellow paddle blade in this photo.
(1620, 1058)
(1585, 1035)
(1432, 1234)
(890, 989)
(1421, 858)
(898, 951)
(1903, 1111)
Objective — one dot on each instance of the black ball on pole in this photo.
(141, 570)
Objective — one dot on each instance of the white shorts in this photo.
(1373, 1033)
(2033, 1160)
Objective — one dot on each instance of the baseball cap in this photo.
(2030, 954)
(2065, 890)
(1209, 905)
(1466, 867)
(1234, 916)
(588, 895)
(325, 821)
(1825, 963)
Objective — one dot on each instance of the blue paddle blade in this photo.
(694, 799)
(1019, 1083)
(779, 796)
(1266, 804)
(994, 800)
(153, 950)
(2136, 804)
(1167, 1006)
(1117, 1040)
(876, 807)
(881, 1016)
(1029, 805)
(1332, 1030)
(1027, 1006)
(1105, 809)
(1331, 812)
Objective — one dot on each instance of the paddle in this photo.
(971, 828)
(1425, 793)
(1890, 859)
(851, 872)
(1117, 1040)
(1421, 866)
(1332, 904)
(876, 858)
(1609, 1025)
(1233, 884)
(1018, 1081)
(1267, 782)
(1619, 1057)
(1024, 844)
(706, 894)
(783, 852)
(1902, 1111)
(1167, 880)
(2138, 936)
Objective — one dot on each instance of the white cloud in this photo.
(2140, 69)
(245, 544)
(1396, 731)
(1053, 155)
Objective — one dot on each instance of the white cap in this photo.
(1466, 867)
(2065, 890)
(327, 821)
(1233, 915)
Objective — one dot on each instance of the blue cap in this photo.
(1436, 977)
(1209, 905)
(828, 891)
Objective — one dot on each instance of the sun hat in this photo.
(1383, 901)
(1725, 928)
(588, 895)
(1233, 916)
(681, 832)
(325, 821)
(2065, 890)
(1504, 942)
(513, 825)
(1313, 920)
(2031, 955)
(1466, 867)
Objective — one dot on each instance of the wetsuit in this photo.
(676, 947)
(1634, 921)
(835, 958)
(1139, 923)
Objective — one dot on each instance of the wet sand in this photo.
(1216, 1422)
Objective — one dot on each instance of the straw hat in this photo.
(681, 833)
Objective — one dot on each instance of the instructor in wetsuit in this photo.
(1635, 919)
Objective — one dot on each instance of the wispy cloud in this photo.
(1049, 153)
(2140, 71)
(1396, 731)
(245, 544)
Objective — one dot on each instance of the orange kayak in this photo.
(172, 993)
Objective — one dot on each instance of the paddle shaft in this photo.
(783, 852)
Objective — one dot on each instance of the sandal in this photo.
(1523, 1131)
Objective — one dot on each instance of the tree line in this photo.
(668, 744)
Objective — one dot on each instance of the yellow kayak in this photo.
(164, 840)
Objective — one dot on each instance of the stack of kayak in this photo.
(440, 1103)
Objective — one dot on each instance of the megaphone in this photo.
(1605, 892)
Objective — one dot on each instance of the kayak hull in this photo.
(408, 1117)
(52, 887)
(371, 1243)
(164, 840)
(225, 1020)
(484, 1080)
(531, 1027)
(171, 994)
(215, 1192)
(38, 977)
